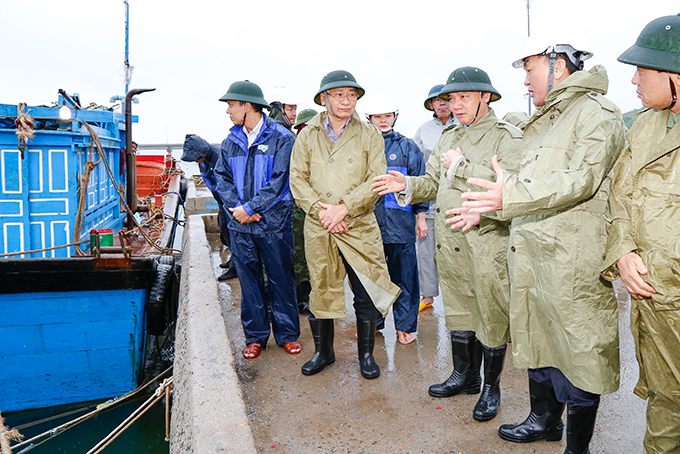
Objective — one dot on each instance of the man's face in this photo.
(652, 88)
(441, 108)
(342, 100)
(236, 111)
(464, 104)
(383, 122)
(536, 80)
(291, 112)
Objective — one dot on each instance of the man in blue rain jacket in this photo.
(252, 181)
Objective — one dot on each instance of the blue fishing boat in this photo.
(81, 282)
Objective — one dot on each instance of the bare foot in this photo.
(405, 338)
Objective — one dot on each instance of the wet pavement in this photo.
(338, 411)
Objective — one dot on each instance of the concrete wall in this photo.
(208, 412)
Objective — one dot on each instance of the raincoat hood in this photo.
(592, 80)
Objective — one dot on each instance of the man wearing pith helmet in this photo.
(252, 181)
(563, 315)
(426, 137)
(471, 263)
(643, 245)
(334, 160)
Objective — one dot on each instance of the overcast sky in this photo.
(191, 51)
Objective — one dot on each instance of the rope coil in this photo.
(25, 125)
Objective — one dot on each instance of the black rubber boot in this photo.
(467, 357)
(365, 344)
(488, 403)
(544, 421)
(323, 331)
(580, 426)
(229, 274)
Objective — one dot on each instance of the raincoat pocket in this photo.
(664, 278)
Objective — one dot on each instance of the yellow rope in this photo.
(162, 391)
(100, 408)
(42, 250)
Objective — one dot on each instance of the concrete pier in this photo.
(208, 412)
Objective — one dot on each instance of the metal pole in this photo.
(131, 159)
(127, 45)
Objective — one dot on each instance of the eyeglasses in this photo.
(351, 96)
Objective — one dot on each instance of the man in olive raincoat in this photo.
(563, 315)
(333, 162)
(643, 246)
(471, 264)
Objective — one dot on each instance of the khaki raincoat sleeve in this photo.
(577, 175)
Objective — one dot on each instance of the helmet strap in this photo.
(674, 96)
(285, 115)
(479, 104)
(328, 104)
(551, 75)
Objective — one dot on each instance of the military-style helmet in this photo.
(657, 47)
(304, 116)
(469, 78)
(434, 92)
(245, 91)
(338, 79)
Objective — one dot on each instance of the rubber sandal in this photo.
(401, 337)
(422, 306)
(252, 351)
(292, 348)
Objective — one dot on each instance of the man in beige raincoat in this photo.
(563, 315)
(643, 246)
(332, 166)
(471, 264)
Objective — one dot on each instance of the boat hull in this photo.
(71, 330)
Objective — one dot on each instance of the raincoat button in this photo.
(462, 163)
(350, 160)
(330, 160)
(437, 210)
(328, 194)
(526, 180)
(552, 117)
(512, 248)
(457, 249)
(536, 159)
(349, 228)
(594, 94)
(439, 246)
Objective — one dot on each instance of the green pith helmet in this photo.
(469, 78)
(245, 91)
(434, 92)
(304, 116)
(337, 79)
(657, 47)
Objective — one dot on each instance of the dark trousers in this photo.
(275, 252)
(565, 391)
(402, 263)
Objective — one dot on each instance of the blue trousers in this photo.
(402, 263)
(274, 251)
(565, 391)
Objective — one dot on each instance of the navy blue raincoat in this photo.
(256, 178)
(397, 223)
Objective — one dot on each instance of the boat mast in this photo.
(128, 70)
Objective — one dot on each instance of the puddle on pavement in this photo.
(337, 411)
